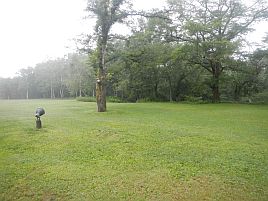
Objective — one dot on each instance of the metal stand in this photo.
(38, 123)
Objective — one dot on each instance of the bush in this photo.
(192, 99)
(144, 100)
(245, 100)
(260, 97)
(111, 99)
(86, 99)
(114, 99)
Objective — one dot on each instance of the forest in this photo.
(188, 51)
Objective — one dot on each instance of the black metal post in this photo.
(38, 123)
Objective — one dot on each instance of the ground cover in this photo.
(145, 151)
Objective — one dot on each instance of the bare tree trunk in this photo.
(80, 87)
(101, 78)
(170, 89)
(216, 71)
(51, 91)
(101, 92)
(27, 94)
(156, 90)
(61, 93)
(237, 92)
(61, 87)
(215, 93)
(52, 94)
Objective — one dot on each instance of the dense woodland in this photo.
(189, 51)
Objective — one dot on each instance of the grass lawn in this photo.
(145, 151)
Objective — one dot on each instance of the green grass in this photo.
(145, 151)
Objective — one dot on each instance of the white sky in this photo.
(32, 31)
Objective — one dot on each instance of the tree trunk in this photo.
(156, 90)
(101, 91)
(170, 89)
(52, 92)
(101, 78)
(215, 93)
(27, 94)
(216, 72)
(61, 93)
(237, 92)
(61, 87)
(27, 90)
(80, 87)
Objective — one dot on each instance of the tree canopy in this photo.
(188, 51)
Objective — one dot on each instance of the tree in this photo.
(27, 79)
(214, 29)
(108, 12)
(79, 80)
(144, 66)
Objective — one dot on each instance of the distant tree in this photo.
(80, 75)
(9, 88)
(5, 88)
(27, 77)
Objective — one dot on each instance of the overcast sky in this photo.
(33, 31)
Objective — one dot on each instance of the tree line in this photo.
(60, 78)
(190, 50)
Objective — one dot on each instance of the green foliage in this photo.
(152, 151)
(260, 97)
(111, 99)
(192, 99)
(114, 99)
(144, 100)
(86, 99)
(192, 51)
(214, 30)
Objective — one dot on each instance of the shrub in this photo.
(192, 99)
(114, 99)
(86, 99)
(144, 100)
(111, 99)
(260, 97)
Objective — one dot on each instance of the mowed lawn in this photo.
(143, 151)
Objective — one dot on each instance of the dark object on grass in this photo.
(38, 123)
(38, 113)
